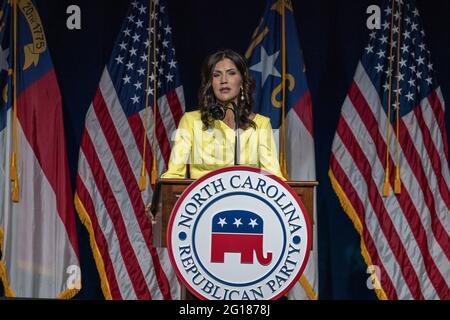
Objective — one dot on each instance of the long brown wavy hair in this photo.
(206, 95)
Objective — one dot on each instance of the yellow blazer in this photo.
(211, 149)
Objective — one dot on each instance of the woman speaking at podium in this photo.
(224, 131)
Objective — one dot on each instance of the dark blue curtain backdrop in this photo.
(332, 35)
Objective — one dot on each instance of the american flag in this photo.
(265, 56)
(108, 199)
(404, 223)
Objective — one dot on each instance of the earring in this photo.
(242, 95)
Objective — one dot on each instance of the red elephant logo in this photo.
(241, 232)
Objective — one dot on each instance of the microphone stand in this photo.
(218, 112)
(237, 144)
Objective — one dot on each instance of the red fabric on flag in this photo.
(109, 200)
(405, 235)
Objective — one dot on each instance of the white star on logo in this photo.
(237, 222)
(253, 223)
(222, 222)
(266, 66)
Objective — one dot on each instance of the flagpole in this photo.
(14, 168)
(143, 177)
(397, 184)
(155, 99)
(283, 164)
(388, 134)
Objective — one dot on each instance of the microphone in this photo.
(217, 111)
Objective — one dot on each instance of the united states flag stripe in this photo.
(437, 103)
(129, 182)
(412, 217)
(433, 154)
(414, 222)
(167, 118)
(361, 107)
(368, 219)
(367, 238)
(112, 247)
(161, 136)
(439, 137)
(117, 125)
(379, 208)
(367, 92)
(175, 106)
(114, 212)
(100, 239)
(137, 127)
(381, 148)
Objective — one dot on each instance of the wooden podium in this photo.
(170, 190)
